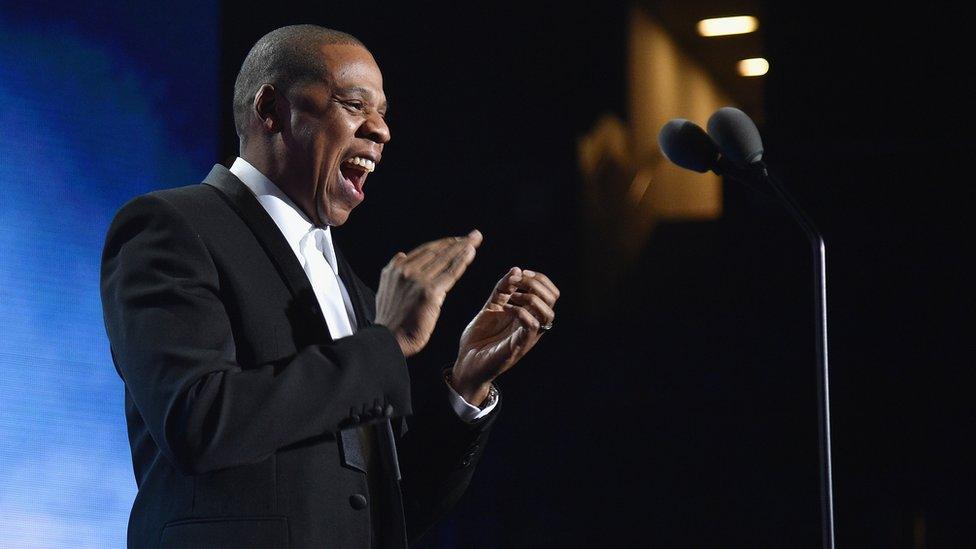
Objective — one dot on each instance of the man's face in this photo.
(335, 135)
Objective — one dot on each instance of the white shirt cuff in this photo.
(465, 411)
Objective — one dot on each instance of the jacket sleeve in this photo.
(174, 348)
(438, 451)
(438, 455)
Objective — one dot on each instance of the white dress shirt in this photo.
(331, 293)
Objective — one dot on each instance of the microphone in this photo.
(736, 135)
(734, 147)
(688, 146)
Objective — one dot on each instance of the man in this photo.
(266, 387)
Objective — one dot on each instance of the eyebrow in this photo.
(365, 93)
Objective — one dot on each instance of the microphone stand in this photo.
(820, 302)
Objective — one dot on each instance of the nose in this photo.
(375, 129)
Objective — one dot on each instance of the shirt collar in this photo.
(290, 219)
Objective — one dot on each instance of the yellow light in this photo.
(723, 26)
(757, 66)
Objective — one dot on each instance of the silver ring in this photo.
(547, 327)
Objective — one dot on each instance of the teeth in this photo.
(365, 163)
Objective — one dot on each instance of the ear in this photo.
(266, 108)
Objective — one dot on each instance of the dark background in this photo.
(684, 414)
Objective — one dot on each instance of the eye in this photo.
(355, 105)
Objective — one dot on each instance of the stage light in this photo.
(723, 26)
(757, 66)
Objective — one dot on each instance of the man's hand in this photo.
(413, 287)
(506, 328)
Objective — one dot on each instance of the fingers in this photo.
(505, 287)
(396, 259)
(453, 269)
(535, 305)
(533, 285)
(437, 264)
(545, 281)
(449, 256)
(476, 237)
(422, 256)
(525, 318)
(428, 250)
(432, 246)
(535, 293)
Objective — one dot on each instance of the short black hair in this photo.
(283, 57)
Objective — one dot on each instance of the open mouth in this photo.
(354, 172)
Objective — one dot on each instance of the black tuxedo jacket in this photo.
(241, 410)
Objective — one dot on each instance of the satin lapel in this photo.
(358, 295)
(239, 197)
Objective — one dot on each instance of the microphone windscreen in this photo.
(736, 135)
(687, 145)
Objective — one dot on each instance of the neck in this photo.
(276, 170)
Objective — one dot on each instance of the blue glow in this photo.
(98, 104)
